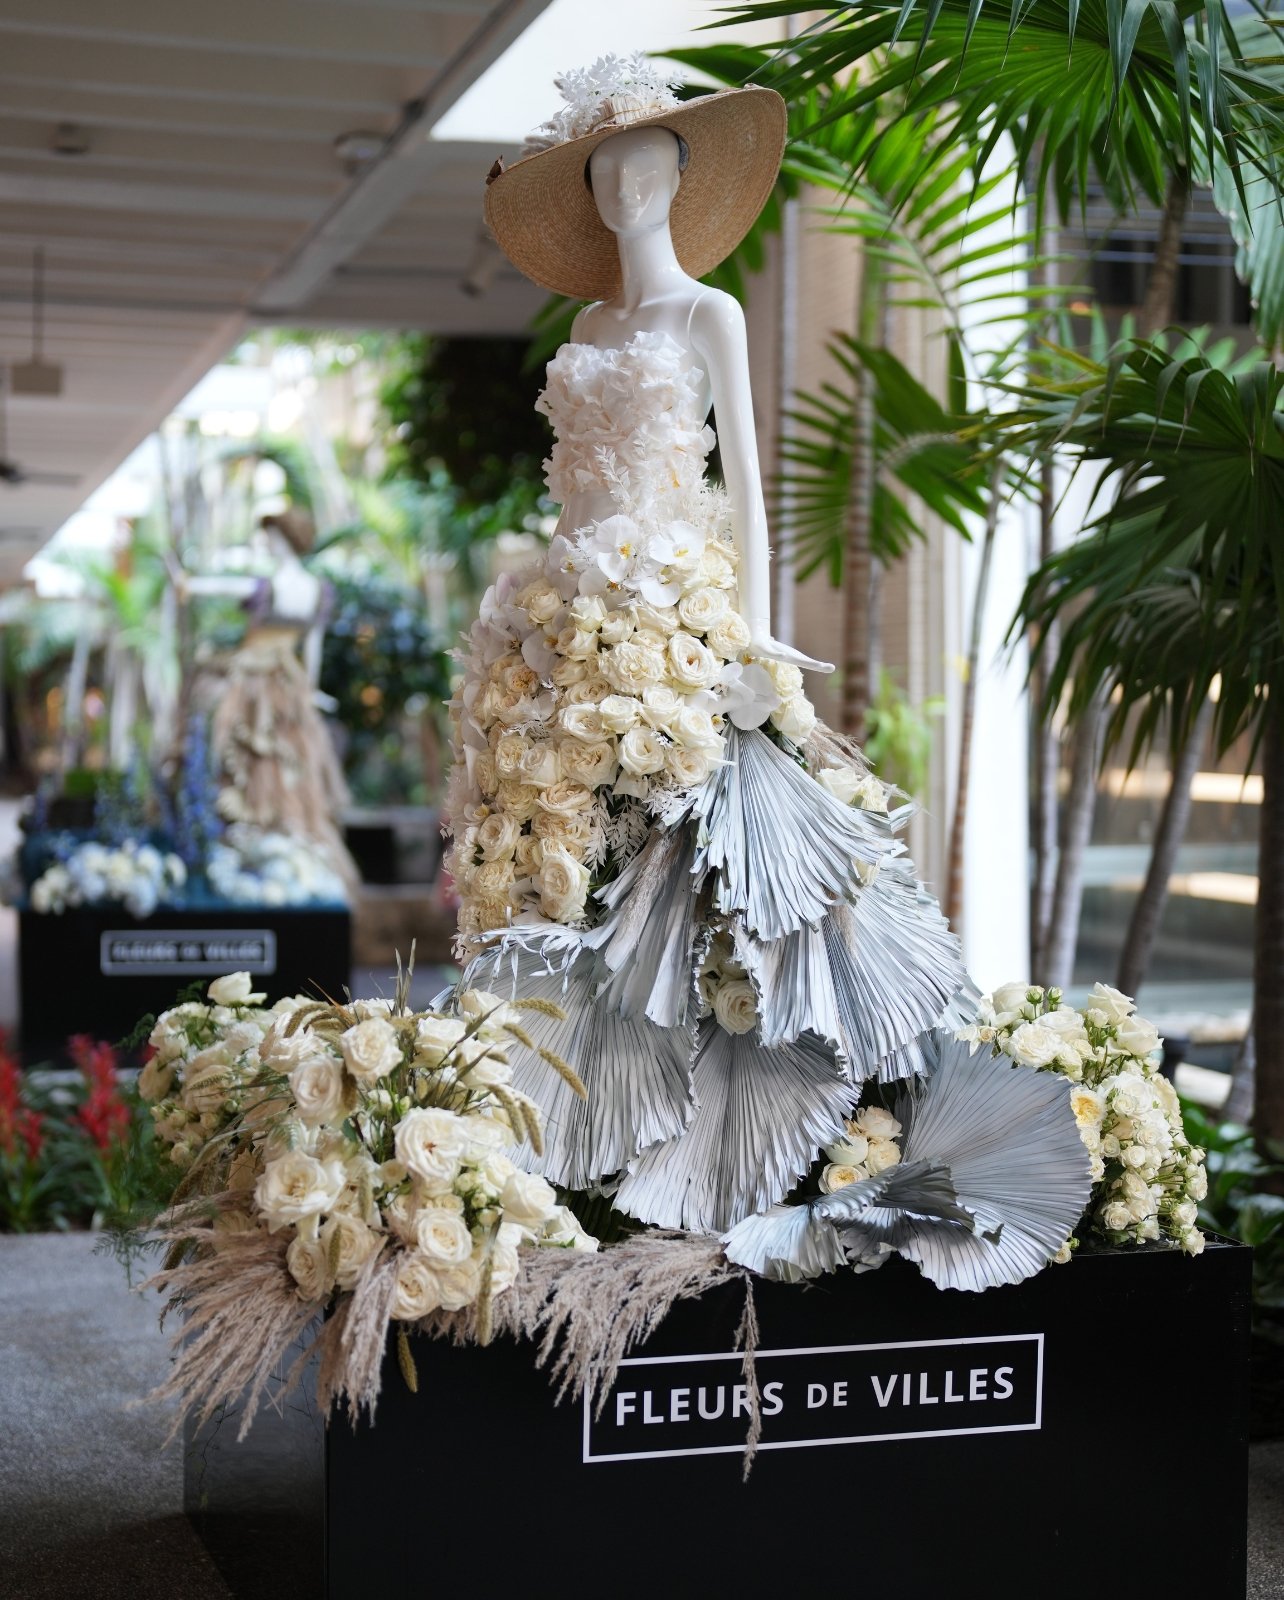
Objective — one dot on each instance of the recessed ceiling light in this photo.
(359, 148)
(70, 139)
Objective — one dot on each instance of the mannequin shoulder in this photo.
(582, 321)
(717, 321)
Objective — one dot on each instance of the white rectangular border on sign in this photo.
(826, 1350)
(179, 968)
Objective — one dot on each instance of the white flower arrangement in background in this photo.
(135, 875)
(250, 866)
(1148, 1179)
(358, 1135)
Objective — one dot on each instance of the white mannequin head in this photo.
(634, 177)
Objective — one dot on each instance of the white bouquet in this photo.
(1148, 1179)
(250, 866)
(357, 1135)
(136, 875)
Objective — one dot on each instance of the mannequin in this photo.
(634, 176)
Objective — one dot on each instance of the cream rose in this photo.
(418, 1289)
(692, 664)
(1115, 1005)
(530, 852)
(629, 668)
(356, 1244)
(528, 1199)
(688, 768)
(563, 885)
(308, 1262)
(589, 764)
(371, 1050)
(694, 729)
(617, 628)
(655, 619)
(582, 722)
(539, 765)
(874, 1123)
(576, 644)
(497, 836)
(641, 751)
(786, 678)
(443, 1236)
(564, 798)
(317, 1087)
(702, 609)
(155, 1080)
(1139, 1037)
(297, 1185)
(618, 713)
(493, 880)
(518, 800)
(540, 601)
(840, 1176)
(572, 833)
(436, 1037)
(236, 989)
(736, 1006)
(729, 636)
(431, 1144)
(459, 1285)
(588, 612)
(1033, 1045)
(841, 782)
(509, 752)
(883, 1153)
(794, 718)
(716, 565)
(566, 673)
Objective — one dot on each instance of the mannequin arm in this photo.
(718, 335)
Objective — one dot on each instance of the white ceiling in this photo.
(211, 194)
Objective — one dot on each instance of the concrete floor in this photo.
(91, 1500)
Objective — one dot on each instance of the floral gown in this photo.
(655, 831)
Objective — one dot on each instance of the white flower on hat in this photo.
(614, 91)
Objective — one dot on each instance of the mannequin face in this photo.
(635, 177)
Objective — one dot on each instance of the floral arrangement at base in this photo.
(1148, 1179)
(251, 867)
(368, 1161)
(358, 1151)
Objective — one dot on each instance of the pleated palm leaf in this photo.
(1176, 594)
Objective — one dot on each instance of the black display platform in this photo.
(1008, 1445)
(97, 971)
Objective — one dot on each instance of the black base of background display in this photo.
(97, 971)
(915, 1442)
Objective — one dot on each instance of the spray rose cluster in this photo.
(1148, 1179)
(868, 1146)
(357, 1130)
(133, 874)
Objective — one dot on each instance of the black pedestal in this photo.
(915, 1443)
(97, 971)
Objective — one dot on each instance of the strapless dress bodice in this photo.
(627, 422)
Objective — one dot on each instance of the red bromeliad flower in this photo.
(18, 1124)
(104, 1115)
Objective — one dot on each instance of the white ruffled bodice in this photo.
(627, 422)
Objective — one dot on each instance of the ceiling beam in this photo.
(347, 87)
(404, 168)
(175, 199)
(169, 152)
(316, 30)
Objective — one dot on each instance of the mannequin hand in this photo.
(769, 649)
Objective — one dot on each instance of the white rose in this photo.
(1116, 1216)
(297, 1185)
(505, 1263)
(736, 1006)
(443, 1236)
(589, 765)
(528, 1199)
(655, 619)
(509, 753)
(459, 1285)
(371, 1050)
(563, 1229)
(581, 722)
(617, 628)
(641, 752)
(848, 1152)
(588, 613)
(1137, 1036)
(786, 678)
(1033, 1045)
(236, 989)
(660, 704)
(688, 768)
(517, 799)
(729, 636)
(435, 1037)
(870, 795)
(497, 837)
(841, 782)
(702, 609)
(692, 664)
(566, 673)
(281, 1052)
(418, 1289)
(883, 1153)
(431, 1144)
(1087, 1105)
(794, 718)
(155, 1080)
(356, 1244)
(618, 713)
(1113, 1005)
(694, 729)
(1010, 999)
(539, 765)
(630, 667)
(206, 1090)
(839, 1176)
(540, 601)
(562, 883)
(874, 1123)
(308, 1261)
(1066, 1022)
(317, 1086)
(716, 564)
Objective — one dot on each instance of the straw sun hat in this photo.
(541, 209)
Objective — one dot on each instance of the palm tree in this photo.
(1178, 589)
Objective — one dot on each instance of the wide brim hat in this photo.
(541, 209)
